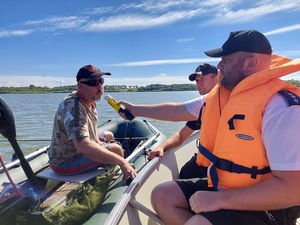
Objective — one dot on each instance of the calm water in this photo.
(34, 114)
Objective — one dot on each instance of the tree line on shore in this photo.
(31, 89)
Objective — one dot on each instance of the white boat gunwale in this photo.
(127, 197)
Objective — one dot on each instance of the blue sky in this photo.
(45, 42)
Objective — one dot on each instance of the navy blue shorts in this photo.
(236, 217)
(192, 170)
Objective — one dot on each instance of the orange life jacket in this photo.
(232, 123)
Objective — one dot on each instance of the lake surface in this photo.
(34, 114)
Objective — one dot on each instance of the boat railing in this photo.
(27, 157)
(143, 148)
(128, 197)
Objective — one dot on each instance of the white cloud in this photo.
(165, 61)
(135, 21)
(162, 75)
(41, 81)
(143, 81)
(284, 30)
(14, 33)
(157, 7)
(57, 23)
(227, 15)
(183, 40)
(153, 13)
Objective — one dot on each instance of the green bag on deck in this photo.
(81, 202)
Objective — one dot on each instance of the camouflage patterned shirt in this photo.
(73, 119)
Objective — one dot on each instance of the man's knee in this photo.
(116, 148)
(109, 135)
(168, 192)
(157, 194)
(198, 219)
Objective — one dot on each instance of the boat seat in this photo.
(78, 178)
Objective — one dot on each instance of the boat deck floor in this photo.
(59, 193)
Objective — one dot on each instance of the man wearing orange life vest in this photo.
(249, 139)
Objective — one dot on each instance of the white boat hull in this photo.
(134, 206)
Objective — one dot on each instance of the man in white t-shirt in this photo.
(205, 77)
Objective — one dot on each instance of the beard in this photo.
(234, 76)
(98, 96)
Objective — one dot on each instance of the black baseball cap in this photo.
(90, 72)
(203, 70)
(244, 40)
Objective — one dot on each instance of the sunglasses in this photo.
(93, 82)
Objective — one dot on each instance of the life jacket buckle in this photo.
(224, 164)
(254, 172)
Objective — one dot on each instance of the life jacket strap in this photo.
(227, 165)
(290, 97)
(235, 117)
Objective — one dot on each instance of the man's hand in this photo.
(159, 151)
(129, 107)
(205, 201)
(128, 171)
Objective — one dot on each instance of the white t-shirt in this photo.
(280, 131)
(193, 106)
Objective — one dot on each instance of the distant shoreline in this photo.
(108, 88)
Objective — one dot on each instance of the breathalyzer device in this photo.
(118, 107)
